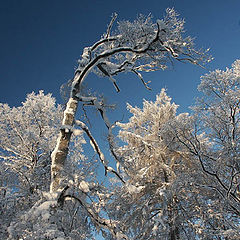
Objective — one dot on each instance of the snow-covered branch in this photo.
(108, 224)
(97, 149)
(138, 44)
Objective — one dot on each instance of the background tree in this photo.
(219, 117)
(216, 120)
(158, 199)
(27, 137)
(182, 171)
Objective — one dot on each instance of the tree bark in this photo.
(59, 155)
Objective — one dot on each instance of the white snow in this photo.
(77, 132)
(133, 189)
(85, 99)
(84, 186)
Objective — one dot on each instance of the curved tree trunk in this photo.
(59, 155)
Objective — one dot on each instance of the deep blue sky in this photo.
(40, 42)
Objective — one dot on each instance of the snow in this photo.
(44, 208)
(77, 132)
(86, 52)
(85, 99)
(67, 128)
(133, 189)
(154, 229)
(120, 236)
(135, 135)
(161, 24)
(45, 216)
(69, 109)
(84, 186)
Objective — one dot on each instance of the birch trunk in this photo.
(60, 152)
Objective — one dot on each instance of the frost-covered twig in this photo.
(110, 25)
(141, 78)
(108, 224)
(97, 149)
(102, 111)
(105, 72)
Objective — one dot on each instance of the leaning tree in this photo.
(139, 46)
(135, 47)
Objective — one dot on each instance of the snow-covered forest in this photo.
(162, 174)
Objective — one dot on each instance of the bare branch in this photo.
(97, 149)
(110, 25)
(105, 72)
(141, 78)
(100, 42)
(108, 224)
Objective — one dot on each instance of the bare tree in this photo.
(139, 46)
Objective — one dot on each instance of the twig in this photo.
(97, 149)
(141, 78)
(110, 25)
